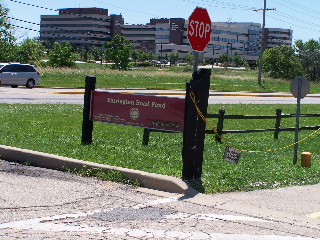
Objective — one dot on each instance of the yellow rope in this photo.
(193, 98)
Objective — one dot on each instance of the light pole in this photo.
(244, 48)
(228, 43)
(213, 52)
(262, 39)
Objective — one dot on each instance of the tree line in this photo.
(302, 59)
(118, 51)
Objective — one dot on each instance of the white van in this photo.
(15, 74)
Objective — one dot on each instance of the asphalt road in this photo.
(40, 95)
(38, 203)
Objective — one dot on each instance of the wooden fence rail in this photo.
(221, 116)
(277, 129)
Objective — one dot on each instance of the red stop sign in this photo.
(199, 29)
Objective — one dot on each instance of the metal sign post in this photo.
(196, 61)
(300, 87)
(296, 138)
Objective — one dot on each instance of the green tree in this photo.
(62, 55)
(119, 52)
(237, 60)
(98, 54)
(309, 53)
(84, 53)
(30, 51)
(143, 56)
(282, 62)
(135, 55)
(311, 63)
(48, 45)
(225, 59)
(95, 53)
(167, 56)
(189, 57)
(7, 40)
(310, 45)
(173, 56)
(151, 56)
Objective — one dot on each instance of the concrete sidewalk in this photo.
(296, 205)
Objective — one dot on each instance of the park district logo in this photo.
(134, 113)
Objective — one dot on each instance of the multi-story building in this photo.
(83, 27)
(93, 26)
(231, 38)
(159, 36)
(276, 37)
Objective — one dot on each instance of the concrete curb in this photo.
(68, 92)
(233, 94)
(50, 161)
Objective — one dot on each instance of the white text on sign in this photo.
(199, 29)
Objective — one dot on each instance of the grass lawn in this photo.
(167, 78)
(56, 129)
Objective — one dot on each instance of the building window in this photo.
(162, 29)
(162, 37)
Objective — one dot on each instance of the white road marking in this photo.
(314, 215)
(214, 217)
(46, 224)
(155, 202)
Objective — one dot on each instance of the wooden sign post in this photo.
(194, 126)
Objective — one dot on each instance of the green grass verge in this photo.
(167, 78)
(56, 129)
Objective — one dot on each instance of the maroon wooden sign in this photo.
(155, 112)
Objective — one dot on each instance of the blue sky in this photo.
(300, 16)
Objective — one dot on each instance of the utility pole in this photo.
(262, 37)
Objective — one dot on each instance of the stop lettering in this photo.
(199, 29)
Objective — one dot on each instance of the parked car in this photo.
(155, 61)
(15, 74)
(164, 61)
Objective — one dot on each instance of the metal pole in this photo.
(262, 39)
(196, 61)
(212, 56)
(296, 139)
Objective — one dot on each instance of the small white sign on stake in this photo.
(232, 155)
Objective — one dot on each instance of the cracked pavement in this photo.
(38, 203)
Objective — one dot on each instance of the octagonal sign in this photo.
(199, 29)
